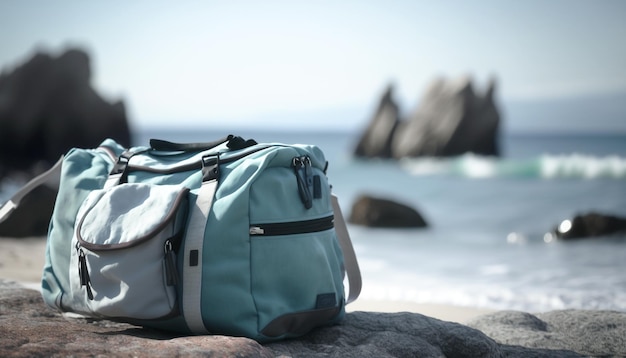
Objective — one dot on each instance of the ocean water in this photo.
(486, 244)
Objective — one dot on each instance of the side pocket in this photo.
(123, 262)
(295, 277)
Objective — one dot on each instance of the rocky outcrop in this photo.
(590, 225)
(376, 140)
(378, 212)
(30, 329)
(47, 106)
(451, 119)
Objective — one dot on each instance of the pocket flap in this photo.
(127, 214)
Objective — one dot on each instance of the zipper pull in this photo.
(300, 168)
(171, 273)
(308, 179)
(307, 171)
(256, 230)
(313, 182)
(83, 272)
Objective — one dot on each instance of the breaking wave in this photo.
(544, 166)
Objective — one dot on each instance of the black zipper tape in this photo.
(294, 227)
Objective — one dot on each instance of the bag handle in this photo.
(349, 257)
(234, 143)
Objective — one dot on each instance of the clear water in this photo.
(485, 244)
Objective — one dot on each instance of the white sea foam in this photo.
(531, 277)
(494, 270)
(582, 166)
(545, 166)
(497, 297)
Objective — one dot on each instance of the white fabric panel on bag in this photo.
(112, 180)
(192, 262)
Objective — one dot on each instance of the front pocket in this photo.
(123, 251)
(296, 267)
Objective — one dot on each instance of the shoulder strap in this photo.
(349, 257)
(51, 176)
(192, 250)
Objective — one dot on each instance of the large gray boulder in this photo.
(47, 106)
(30, 329)
(451, 119)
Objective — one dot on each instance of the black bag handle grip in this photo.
(163, 145)
(234, 143)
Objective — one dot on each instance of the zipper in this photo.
(302, 169)
(171, 273)
(294, 227)
(83, 272)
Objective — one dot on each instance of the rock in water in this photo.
(47, 106)
(378, 212)
(590, 225)
(376, 140)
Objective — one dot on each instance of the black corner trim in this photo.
(300, 323)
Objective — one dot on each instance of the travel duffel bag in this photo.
(229, 237)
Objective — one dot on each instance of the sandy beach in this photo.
(22, 260)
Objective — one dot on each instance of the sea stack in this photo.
(451, 119)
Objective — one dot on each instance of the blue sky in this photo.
(323, 64)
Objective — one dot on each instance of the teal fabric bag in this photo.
(229, 237)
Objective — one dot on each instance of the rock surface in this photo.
(450, 120)
(28, 328)
(590, 225)
(47, 106)
(378, 212)
(591, 333)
